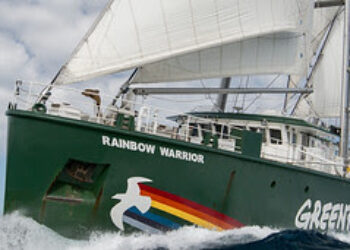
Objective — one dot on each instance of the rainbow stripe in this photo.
(179, 207)
(175, 206)
(148, 222)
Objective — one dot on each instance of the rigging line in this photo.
(125, 87)
(324, 30)
(323, 46)
(244, 95)
(86, 36)
(289, 105)
(237, 95)
(208, 96)
(259, 95)
(287, 97)
(311, 106)
(309, 102)
(291, 96)
(44, 94)
(318, 58)
(321, 33)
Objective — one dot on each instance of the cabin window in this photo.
(193, 129)
(225, 132)
(288, 137)
(275, 136)
(312, 142)
(205, 128)
(218, 128)
(305, 140)
(294, 139)
(221, 131)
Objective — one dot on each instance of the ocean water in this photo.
(19, 232)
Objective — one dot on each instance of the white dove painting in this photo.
(130, 199)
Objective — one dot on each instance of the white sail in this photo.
(270, 54)
(325, 101)
(322, 18)
(309, 106)
(269, 36)
(327, 79)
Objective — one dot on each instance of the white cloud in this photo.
(15, 62)
(13, 55)
(47, 31)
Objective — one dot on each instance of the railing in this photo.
(308, 157)
(69, 102)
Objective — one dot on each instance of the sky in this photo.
(38, 36)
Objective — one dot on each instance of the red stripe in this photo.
(192, 204)
(195, 212)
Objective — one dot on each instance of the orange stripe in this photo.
(187, 209)
(194, 205)
(185, 216)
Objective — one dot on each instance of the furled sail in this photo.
(178, 40)
(326, 80)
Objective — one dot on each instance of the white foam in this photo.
(344, 237)
(184, 238)
(19, 232)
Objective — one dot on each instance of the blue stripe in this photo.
(146, 221)
(139, 225)
(159, 219)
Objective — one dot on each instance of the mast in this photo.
(344, 142)
(286, 97)
(125, 87)
(222, 98)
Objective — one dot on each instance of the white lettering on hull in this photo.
(151, 149)
(326, 216)
(181, 155)
(128, 144)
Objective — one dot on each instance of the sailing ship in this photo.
(129, 166)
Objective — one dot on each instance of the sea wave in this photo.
(20, 232)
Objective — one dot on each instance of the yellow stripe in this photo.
(185, 216)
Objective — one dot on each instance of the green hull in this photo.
(200, 185)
